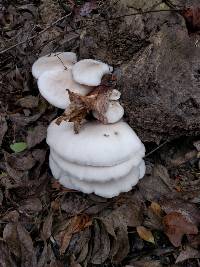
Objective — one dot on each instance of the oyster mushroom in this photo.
(107, 189)
(90, 72)
(96, 144)
(58, 60)
(53, 87)
(101, 159)
(113, 114)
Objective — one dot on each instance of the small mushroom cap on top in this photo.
(96, 144)
(58, 60)
(90, 71)
(99, 174)
(108, 189)
(53, 84)
(114, 112)
(115, 95)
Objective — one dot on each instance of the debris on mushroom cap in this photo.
(96, 145)
(53, 84)
(90, 72)
(113, 114)
(58, 60)
(107, 189)
(115, 95)
(100, 174)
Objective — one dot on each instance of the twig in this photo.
(157, 148)
(36, 35)
(61, 62)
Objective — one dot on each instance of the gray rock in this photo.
(159, 64)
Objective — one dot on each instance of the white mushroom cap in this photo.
(115, 95)
(96, 145)
(90, 71)
(114, 112)
(52, 61)
(108, 189)
(53, 84)
(91, 173)
(142, 168)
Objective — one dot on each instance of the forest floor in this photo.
(43, 224)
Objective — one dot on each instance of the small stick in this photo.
(157, 148)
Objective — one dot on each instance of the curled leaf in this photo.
(145, 234)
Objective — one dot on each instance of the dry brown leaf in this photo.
(47, 227)
(101, 243)
(74, 225)
(28, 257)
(74, 204)
(176, 225)
(32, 205)
(21, 162)
(152, 220)
(28, 102)
(188, 210)
(3, 128)
(81, 106)
(145, 234)
(192, 18)
(36, 135)
(20, 243)
(5, 256)
(156, 208)
(10, 236)
(188, 253)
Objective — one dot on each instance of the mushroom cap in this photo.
(53, 84)
(142, 168)
(99, 174)
(90, 71)
(96, 144)
(52, 61)
(114, 112)
(108, 189)
(115, 95)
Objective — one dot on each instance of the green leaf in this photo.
(18, 147)
(2, 174)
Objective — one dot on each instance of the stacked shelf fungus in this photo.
(91, 148)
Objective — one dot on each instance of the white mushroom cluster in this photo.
(105, 159)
